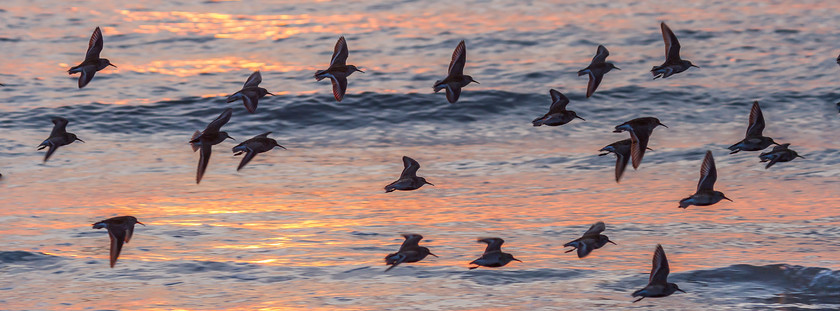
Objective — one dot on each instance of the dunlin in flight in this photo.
(640, 130)
(120, 230)
(338, 70)
(557, 113)
(408, 179)
(250, 93)
(658, 285)
(673, 64)
(409, 252)
(706, 194)
(455, 78)
(58, 137)
(206, 139)
(780, 153)
(92, 62)
(596, 70)
(754, 140)
(259, 144)
(591, 240)
(621, 149)
(493, 256)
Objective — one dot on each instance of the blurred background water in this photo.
(307, 228)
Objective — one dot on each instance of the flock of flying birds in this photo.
(120, 229)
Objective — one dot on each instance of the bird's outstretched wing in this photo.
(672, 45)
(659, 271)
(459, 59)
(596, 229)
(493, 244)
(216, 125)
(708, 173)
(410, 167)
(340, 53)
(254, 79)
(558, 101)
(94, 46)
(600, 55)
(118, 238)
(756, 126)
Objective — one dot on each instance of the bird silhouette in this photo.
(338, 70)
(92, 62)
(58, 137)
(120, 230)
(455, 77)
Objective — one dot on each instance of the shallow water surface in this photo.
(307, 227)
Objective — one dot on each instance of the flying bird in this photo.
(493, 256)
(250, 93)
(410, 251)
(706, 194)
(596, 70)
(338, 70)
(58, 137)
(640, 130)
(120, 230)
(780, 153)
(673, 64)
(753, 140)
(621, 149)
(259, 144)
(204, 140)
(658, 285)
(92, 62)
(408, 178)
(455, 78)
(591, 240)
(557, 113)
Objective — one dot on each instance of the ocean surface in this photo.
(307, 228)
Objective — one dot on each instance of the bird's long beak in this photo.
(696, 67)
(79, 139)
(603, 154)
(516, 259)
(115, 66)
(430, 253)
(580, 118)
(359, 70)
(616, 68)
(476, 82)
(680, 290)
(284, 148)
(141, 223)
(612, 242)
(430, 183)
(730, 200)
(231, 138)
(663, 125)
(269, 93)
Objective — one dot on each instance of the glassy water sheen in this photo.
(307, 228)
